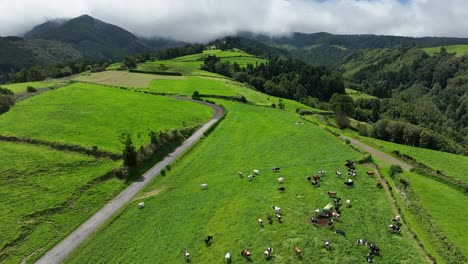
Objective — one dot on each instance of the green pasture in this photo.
(22, 87)
(46, 194)
(181, 215)
(358, 95)
(450, 164)
(95, 115)
(122, 78)
(460, 50)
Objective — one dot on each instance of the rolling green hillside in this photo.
(459, 50)
(252, 137)
(94, 115)
(45, 194)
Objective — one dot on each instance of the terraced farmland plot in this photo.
(123, 78)
(95, 115)
(179, 215)
(22, 87)
(45, 195)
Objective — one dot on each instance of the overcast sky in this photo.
(202, 20)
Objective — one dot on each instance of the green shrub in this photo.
(31, 89)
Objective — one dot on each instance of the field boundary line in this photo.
(61, 250)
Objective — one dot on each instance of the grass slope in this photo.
(45, 194)
(22, 87)
(358, 95)
(88, 115)
(460, 50)
(181, 215)
(451, 164)
(122, 78)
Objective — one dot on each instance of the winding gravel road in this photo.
(73, 240)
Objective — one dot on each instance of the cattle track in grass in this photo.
(60, 251)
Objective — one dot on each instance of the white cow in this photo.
(256, 172)
(241, 174)
(141, 205)
(250, 177)
(204, 186)
(260, 222)
(186, 256)
(227, 258)
(317, 212)
(348, 203)
(338, 174)
(277, 209)
(280, 180)
(397, 218)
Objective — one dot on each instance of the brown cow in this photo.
(370, 173)
(379, 184)
(246, 254)
(297, 251)
(331, 194)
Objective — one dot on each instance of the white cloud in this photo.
(201, 20)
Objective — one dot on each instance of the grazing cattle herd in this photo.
(322, 217)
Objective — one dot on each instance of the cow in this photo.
(278, 216)
(326, 244)
(260, 222)
(309, 178)
(331, 194)
(330, 223)
(394, 229)
(338, 174)
(208, 240)
(396, 218)
(316, 184)
(256, 172)
(277, 209)
(375, 250)
(267, 252)
(340, 232)
(313, 220)
(349, 163)
(246, 254)
(241, 174)
(276, 169)
(186, 256)
(297, 251)
(227, 258)
(322, 172)
(370, 173)
(280, 180)
(141, 205)
(317, 212)
(335, 215)
(281, 188)
(250, 177)
(370, 258)
(379, 184)
(348, 203)
(349, 183)
(361, 242)
(270, 219)
(316, 177)
(337, 203)
(204, 186)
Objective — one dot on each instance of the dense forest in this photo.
(287, 78)
(424, 99)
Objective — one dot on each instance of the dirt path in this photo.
(378, 154)
(73, 240)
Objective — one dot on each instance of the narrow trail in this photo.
(60, 251)
(378, 154)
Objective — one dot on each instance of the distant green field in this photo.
(95, 115)
(460, 50)
(45, 195)
(190, 64)
(358, 95)
(122, 78)
(252, 137)
(21, 87)
(451, 164)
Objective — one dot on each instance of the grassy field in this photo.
(95, 115)
(123, 78)
(450, 164)
(190, 64)
(252, 137)
(358, 95)
(460, 50)
(45, 195)
(21, 87)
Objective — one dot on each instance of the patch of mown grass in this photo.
(18, 88)
(358, 95)
(122, 78)
(460, 50)
(96, 115)
(45, 195)
(253, 137)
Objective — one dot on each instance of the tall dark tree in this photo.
(129, 153)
